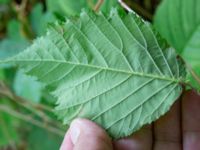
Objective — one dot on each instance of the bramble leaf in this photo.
(179, 22)
(113, 70)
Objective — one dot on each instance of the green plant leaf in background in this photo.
(14, 43)
(10, 47)
(14, 30)
(27, 87)
(179, 22)
(4, 1)
(66, 7)
(8, 134)
(112, 70)
(51, 142)
(40, 19)
(71, 8)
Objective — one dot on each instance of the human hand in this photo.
(179, 129)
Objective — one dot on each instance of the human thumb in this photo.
(86, 135)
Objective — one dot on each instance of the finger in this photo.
(67, 143)
(141, 140)
(86, 135)
(191, 121)
(167, 130)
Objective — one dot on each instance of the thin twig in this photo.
(5, 91)
(196, 77)
(125, 6)
(137, 8)
(36, 106)
(29, 119)
(98, 5)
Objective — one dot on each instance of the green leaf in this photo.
(27, 87)
(113, 70)
(179, 22)
(2, 74)
(13, 43)
(8, 133)
(69, 7)
(66, 7)
(34, 138)
(4, 1)
(14, 30)
(40, 19)
(9, 47)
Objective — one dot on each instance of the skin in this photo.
(179, 129)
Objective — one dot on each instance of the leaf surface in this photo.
(179, 22)
(113, 70)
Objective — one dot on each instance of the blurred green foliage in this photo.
(8, 132)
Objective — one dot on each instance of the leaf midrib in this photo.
(178, 80)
